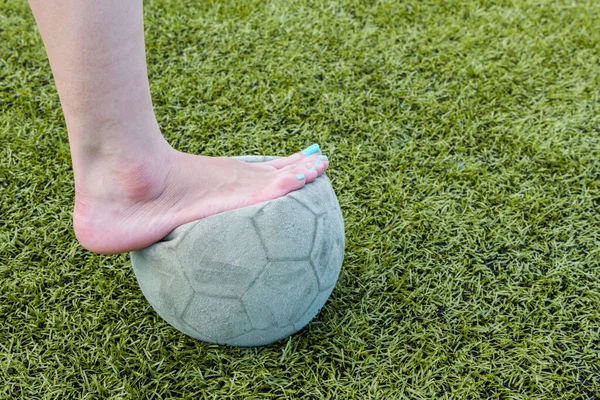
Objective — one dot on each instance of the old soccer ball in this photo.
(250, 276)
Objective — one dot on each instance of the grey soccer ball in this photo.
(250, 276)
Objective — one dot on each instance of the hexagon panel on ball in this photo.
(281, 294)
(222, 256)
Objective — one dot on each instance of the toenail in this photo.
(300, 177)
(312, 149)
(312, 168)
(318, 162)
(323, 157)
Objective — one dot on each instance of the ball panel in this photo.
(175, 296)
(285, 237)
(314, 309)
(146, 269)
(328, 251)
(282, 292)
(216, 318)
(158, 274)
(167, 290)
(158, 258)
(337, 253)
(229, 239)
(178, 234)
(318, 196)
(214, 278)
(150, 282)
(222, 258)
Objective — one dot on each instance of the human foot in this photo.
(138, 203)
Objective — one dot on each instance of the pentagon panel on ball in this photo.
(250, 276)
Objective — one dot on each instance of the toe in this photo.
(289, 181)
(313, 152)
(319, 165)
(311, 173)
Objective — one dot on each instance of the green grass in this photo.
(465, 146)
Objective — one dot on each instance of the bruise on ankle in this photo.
(133, 177)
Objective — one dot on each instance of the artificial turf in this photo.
(464, 139)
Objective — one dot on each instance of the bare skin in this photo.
(131, 187)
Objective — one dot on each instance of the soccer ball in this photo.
(250, 276)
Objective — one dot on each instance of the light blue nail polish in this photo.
(318, 162)
(300, 177)
(323, 158)
(312, 149)
(312, 168)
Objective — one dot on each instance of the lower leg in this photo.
(131, 187)
(96, 51)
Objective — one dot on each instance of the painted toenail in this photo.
(318, 162)
(312, 149)
(323, 158)
(300, 177)
(312, 168)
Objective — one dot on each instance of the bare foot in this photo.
(135, 204)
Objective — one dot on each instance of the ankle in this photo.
(133, 176)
